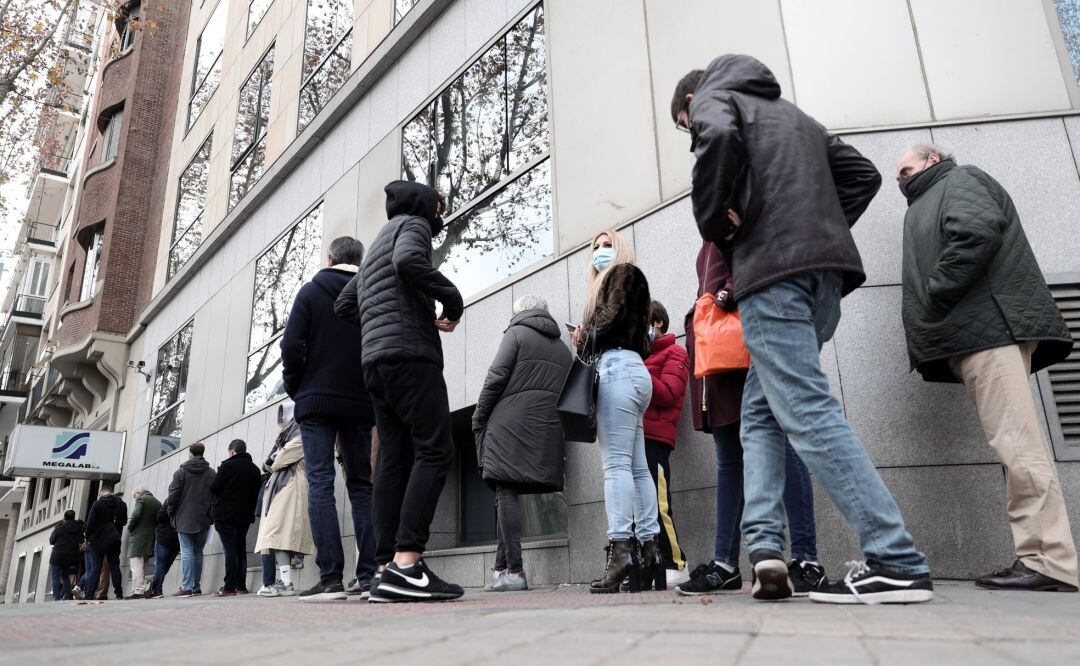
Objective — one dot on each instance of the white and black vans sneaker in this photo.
(323, 592)
(865, 584)
(771, 582)
(806, 577)
(413, 583)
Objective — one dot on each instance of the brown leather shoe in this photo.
(622, 563)
(1019, 577)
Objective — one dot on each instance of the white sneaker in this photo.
(677, 577)
(284, 590)
(267, 591)
(495, 576)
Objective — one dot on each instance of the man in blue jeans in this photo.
(320, 355)
(799, 190)
(188, 507)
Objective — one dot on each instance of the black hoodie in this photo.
(398, 286)
(320, 353)
(105, 522)
(798, 188)
(518, 433)
(189, 496)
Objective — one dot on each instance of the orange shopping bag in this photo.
(718, 339)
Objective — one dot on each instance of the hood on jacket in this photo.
(109, 499)
(538, 320)
(405, 197)
(332, 280)
(741, 73)
(925, 179)
(196, 466)
(663, 342)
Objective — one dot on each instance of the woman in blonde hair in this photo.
(616, 325)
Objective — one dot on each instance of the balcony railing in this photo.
(29, 306)
(14, 381)
(57, 165)
(45, 234)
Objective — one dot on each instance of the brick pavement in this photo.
(554, 626)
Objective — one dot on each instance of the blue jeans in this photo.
(191, 558)
(163, 561)
(629, 493)
(786, 393)
(61, 580)
(318, 435)
(93, 574)
(269, 569)
(798, 499)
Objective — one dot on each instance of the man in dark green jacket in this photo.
(977, 310)
(141, 526)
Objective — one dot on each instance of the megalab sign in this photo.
(64, 452)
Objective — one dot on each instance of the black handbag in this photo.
(577, 400)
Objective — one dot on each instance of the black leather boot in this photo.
(653, 574)
(622, 563)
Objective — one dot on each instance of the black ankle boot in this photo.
(653, 574)
(622, 563)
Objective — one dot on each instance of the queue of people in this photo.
(774, 199)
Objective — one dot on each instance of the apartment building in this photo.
(546, 121)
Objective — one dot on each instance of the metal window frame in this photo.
(260, 130)
(176, 238)
(197, 85)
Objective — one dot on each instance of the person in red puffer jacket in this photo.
(670, 369)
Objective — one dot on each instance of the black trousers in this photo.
(658, 454)
(508, 516)
(416, 449)
(93, 575)
(234, 545)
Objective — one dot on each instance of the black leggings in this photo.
(508, 555)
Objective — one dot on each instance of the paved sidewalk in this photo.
(552, 626)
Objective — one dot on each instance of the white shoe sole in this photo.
(891, 597)
(412, 595)
(771, 581)
(322, 596)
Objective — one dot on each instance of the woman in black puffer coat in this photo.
(519, 442)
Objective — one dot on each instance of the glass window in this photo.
(207, 73)
(249, 137)
(402, 7)
(31, 586)
(279, 274)
(110, 136)
(327, 55)
(129, 25)
(92, 265)
(483, 142)
(256, 12)
(169, 394)
(1068, 12)
(190, 201)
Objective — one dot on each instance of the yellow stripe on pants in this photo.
(665, 517)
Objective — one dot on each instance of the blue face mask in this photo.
(602, 258)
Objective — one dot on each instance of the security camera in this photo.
(139, 368)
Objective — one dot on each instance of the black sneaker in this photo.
(324, 592)
(414, 583)
(806, 576)
(711, 578)
(771, 582)
(359, 588)
(865, 584)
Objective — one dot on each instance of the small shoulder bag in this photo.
(577, 400)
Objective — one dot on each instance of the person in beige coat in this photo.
(284, 529)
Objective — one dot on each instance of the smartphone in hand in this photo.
(570, 327)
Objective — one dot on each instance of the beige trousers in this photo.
(997, 381)
(138, 575)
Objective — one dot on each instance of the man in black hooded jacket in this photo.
(771, 185)
(104, 525)
(402, 360)
(320, 358)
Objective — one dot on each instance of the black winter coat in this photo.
(970, 279)
(189, 496)
(518, 434)
(235, 490)
(320, 353)
(398, 284)
(105, 522)
(797, 188)
(164, 533)
(65, 540)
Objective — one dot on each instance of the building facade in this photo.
(545, 122)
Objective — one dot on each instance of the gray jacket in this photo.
(519, 438)
(189, 498)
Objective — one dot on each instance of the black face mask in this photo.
(903, 181)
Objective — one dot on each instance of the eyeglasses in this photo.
(682, 128)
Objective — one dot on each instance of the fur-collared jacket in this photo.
(621, 315)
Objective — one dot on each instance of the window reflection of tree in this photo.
(485, 126)
(327, 55)
(207, 73)
(256, 11)
(170, 392)
(252, 118)
(402, 7)
(279, 274)
(190, 201)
